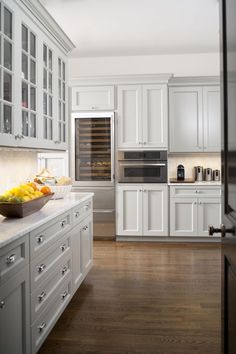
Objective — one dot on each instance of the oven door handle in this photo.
(142, 164)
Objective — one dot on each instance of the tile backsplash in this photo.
(212, 160)
(16, 167)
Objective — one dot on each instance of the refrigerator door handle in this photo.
(110, 211)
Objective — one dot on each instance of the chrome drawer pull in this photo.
(77, 214)
(41, 296)
(64, 295)
(2, 304)
(86, 207)
(64, 270)
(63, 223)
(42, 326)
(63, 247)
(85, 227)
(10, 259)
(41, 268)
(40, 238)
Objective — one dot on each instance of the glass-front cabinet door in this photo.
(48, 77)
(28, 84)
(62, 127)
(6, 76)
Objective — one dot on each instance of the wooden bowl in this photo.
(20, 210)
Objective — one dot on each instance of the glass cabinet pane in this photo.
(32, 45)
(24, 67)
(59, 110)
(45, 61)
(33, 98)
(59, 68)
(59, 89)
(24, 38)
(7, 119)
(25, 123)
(63, 92)
(59, 129)
(50, 129)
(45, 103)
(7, 54)
(32, 71)
(50, 82)
(64, 112)
(24, 95)
(7, 23)
(7, 87)
(50, 106)
(45, 128)
(32, 125)
(63, 72)
(50, 59)
(45, 79)
(63, 132)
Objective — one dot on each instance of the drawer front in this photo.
(46, 235)
(48, 261)
(186, 191)
(82, 211)
(46, 291)
(50, 315)
(13, 257)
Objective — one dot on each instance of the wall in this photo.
(212, 160)
(206, 64)
(16, 167)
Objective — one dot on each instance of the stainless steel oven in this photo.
(142, 166)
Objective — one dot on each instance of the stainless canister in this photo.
(216, 175)
(198, 173)
(208, 174)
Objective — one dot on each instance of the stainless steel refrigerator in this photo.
(92, 165)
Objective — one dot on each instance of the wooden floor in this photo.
(144, 298)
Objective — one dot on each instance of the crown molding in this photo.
(194, 80)
(120, 79)
(38, 11)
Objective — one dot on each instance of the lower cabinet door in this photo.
(183, 217)
(86, 246)
(155, 210)
(209, 213)
(14, 314)
(129, 210)
(77, 275)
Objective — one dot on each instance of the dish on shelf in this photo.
(20, 210)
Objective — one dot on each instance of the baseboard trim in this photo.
(169, 239)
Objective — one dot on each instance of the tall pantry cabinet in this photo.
(33, 77)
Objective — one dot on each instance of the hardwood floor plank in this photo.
(149, 298)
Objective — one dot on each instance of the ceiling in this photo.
(138, 27)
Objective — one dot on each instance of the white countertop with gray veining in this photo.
(13, 228)
(194, 184)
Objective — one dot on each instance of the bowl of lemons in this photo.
(23, 200)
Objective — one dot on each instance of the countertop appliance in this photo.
(180, 173)
(199, 173)
(216, 175)
(92, 165)
(208, 174)
(142, 166)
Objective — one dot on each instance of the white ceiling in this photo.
(138, 27)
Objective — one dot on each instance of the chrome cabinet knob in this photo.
(2, 304)
(10, 259)
(63, 223)
(77, 214)
(42, 327)
(64, 295)
(41, 268)
(64, 270)
(63, 247)
(40, 238)
(41, 296)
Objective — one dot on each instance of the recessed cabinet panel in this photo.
(92, 98)
(155, 116)
(129, 116)
(183, 217)
(185, 112)
(209, 213)
(212, 119)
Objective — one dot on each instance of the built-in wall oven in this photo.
(142, 167)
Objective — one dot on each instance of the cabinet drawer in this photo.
(46, 235)
(43, 325)
(81, 212)
(185, 191)
(46, 291)
(48, 261)
(13, 257)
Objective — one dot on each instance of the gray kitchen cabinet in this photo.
(77, 275)
(142, 210)
(142, 116)
(193, 209)
(194, 119)
(15, 314)
(86, 245)
(92, 98)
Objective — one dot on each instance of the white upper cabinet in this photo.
(93, 98)
(194, 119)
(211, 118)
(130, 116)
(142, 116)
(34, 96)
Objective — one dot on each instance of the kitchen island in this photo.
(44, 258)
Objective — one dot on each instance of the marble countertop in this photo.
(11, 229)
(203, 183)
